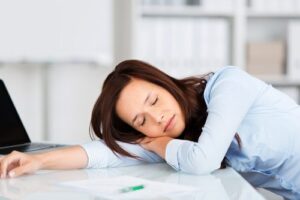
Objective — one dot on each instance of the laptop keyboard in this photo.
(29, 147)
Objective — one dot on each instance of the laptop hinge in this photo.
(17, 145)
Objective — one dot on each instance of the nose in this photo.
(160, 118)
(157, 116)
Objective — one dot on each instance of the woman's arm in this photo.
(230, 97)
(90, 155)
(108, 159)
(17, 163)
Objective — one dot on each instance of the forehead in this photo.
(137, 85)
(132, 97)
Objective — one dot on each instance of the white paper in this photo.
(110, 188)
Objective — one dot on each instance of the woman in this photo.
(197, 125)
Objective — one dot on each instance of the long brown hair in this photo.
(106, 124)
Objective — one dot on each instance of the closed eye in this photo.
(143, 122)
(155, 101)
(144, 119)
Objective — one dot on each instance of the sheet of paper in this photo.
(109, 188)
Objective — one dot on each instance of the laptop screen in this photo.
(12, 131)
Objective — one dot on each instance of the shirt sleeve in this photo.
(230, 98)
(100, 156)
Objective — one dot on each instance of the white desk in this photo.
(44, 184)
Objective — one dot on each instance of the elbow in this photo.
(191, 158)
(199, 163)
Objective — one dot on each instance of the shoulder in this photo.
(231, 72)
(227, 74)
(231, 79)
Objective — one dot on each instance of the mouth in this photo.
(169, 123)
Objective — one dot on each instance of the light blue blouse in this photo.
(266, 120)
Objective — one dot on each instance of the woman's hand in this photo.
(17, 163)
(157, 144)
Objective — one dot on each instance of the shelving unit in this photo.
(235, 17)
(283, 82)
(180, 11)
(239, 18)
(285, 15)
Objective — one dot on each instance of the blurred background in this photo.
(55, 54)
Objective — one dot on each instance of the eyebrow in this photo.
(148, 96)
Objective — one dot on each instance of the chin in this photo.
(180, 130)
(177, 131)
(175, 134)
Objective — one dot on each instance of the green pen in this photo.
(132, 188)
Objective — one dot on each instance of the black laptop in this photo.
(13, 135)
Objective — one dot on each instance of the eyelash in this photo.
(144, 119)
(154, 101)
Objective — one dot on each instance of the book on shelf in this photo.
(218, 5)
(211, 5)
(274, 6)
(293, 67)
(169, 2)
(183, 46)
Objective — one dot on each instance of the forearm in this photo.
(73, 157)
(158, 145)
(161, 150)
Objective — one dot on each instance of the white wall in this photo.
(75, 38)
(72, 93)
(55, 30)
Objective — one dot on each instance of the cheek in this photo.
(181, 127)
(151, 132)
(178, 129)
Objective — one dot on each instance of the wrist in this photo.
(42, 160)
(161, 146)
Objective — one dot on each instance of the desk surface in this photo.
(45, 184)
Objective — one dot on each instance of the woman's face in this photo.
(150, 109)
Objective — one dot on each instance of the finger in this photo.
(12, 166)
(11, 159)
(1, 158)
(20, 170)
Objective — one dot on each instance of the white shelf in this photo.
(103, 61)
(182, 11)
(254, 14)
(281, 80)
(240, 20)
(198, 11)
(238, 15)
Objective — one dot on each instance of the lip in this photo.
(169, 124)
